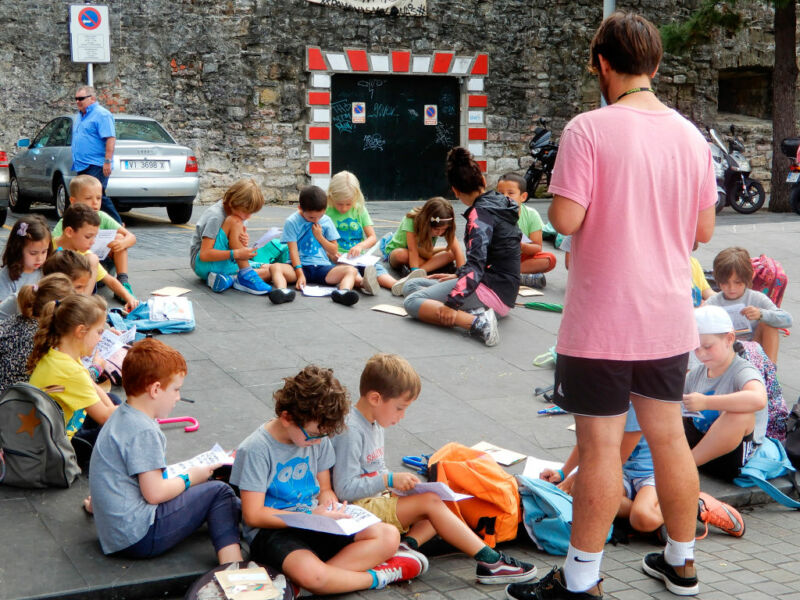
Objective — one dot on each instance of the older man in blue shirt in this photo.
(93, 139)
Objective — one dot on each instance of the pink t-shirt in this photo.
(642, 177)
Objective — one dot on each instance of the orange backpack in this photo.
(494, 512)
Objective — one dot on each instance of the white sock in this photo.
(582, 569)
(677, 553)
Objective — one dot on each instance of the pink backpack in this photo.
(769, 278)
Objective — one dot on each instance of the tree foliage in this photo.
(679, 38)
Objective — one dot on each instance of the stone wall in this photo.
(228, 77)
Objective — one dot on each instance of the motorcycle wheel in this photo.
(750, 199)
(533, 177)
(722, 200)
(794, 199)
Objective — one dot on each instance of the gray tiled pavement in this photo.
(242, 348)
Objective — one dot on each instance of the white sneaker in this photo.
(397, 288)
(369, 282)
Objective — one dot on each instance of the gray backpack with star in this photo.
(34, 449)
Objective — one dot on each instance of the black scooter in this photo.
(543, 150)
(789, 148)
(743, 193)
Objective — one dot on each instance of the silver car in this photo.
(149, 168)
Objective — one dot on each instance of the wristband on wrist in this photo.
(561, 474)
(186, 482)
(94, 372)
(414, 268)
(297, 266)
(390, 480)
(232, 258)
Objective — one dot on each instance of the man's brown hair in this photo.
(314, 395)
(733, 261)
(148, 361)
(390, 375)
(629, 42)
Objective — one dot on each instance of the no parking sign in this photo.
(89, 33)
(431, 114)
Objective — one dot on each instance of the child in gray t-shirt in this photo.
(284, 466)
(733, 271)
(138, 513)
(729, 396)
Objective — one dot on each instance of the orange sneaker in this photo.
(721, 515)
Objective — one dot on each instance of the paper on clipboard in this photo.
(215, 456)
(439, 488)
(170, 290)
(529, 291)
(268, 236)
(741, 324)
(500, 455)
(247, 584)
(363, 260)
(101, 241)
(317, 291)
(359, 519)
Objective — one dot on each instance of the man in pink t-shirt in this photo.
(634, 185)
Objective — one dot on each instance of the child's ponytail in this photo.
(60, 318)
(31, 299)
(463, 173)
(32, 228)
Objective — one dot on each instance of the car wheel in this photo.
(179, 213)
(3, 215)
(17, 202)
(60, 198)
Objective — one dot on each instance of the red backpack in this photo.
(769, 278)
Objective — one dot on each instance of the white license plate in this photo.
(793, 177)
(153, 165)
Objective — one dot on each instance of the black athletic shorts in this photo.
(602, 388)
(726, 466)
(272, 546)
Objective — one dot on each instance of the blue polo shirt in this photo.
(89, 134)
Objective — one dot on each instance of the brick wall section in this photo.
(227, 77)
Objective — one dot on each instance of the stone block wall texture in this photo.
(227, 77)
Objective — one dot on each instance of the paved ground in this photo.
(242, 348)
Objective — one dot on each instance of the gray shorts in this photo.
(632, 485)
(419, 290)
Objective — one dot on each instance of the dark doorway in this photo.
(746, 91)
(393, 153)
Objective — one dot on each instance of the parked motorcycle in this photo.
(789, 147)
(743, 193)
(543, 150)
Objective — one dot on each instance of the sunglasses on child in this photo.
(310, 438)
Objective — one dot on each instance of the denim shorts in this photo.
(316, 273)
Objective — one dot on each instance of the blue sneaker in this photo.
(250, 282)
(219, 282)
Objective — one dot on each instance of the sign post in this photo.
(89, 36)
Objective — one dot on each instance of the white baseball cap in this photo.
(712, 319)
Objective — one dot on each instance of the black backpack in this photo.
(792, 441)
(34, 449)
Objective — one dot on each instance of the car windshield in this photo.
(142, 131)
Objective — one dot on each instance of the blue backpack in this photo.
(547, 515)
(768, 462)
(140, 316)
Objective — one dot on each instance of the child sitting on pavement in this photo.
(413, 250)
(28, 246)
(139, 513)
(85, 189)
(389, 384)
(356, 234)
(80, 226)
(534, 263)
(730, 396)
(284, 466)
(733, 272)
(311, 237)
(639, 503)
(219, 253)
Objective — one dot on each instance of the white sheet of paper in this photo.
(171, 290)
(101, 242)
(391, 309)
(318, 291)
(363, 260)
(109, 343)
(501, 455)
(215, 456)
(359, 519)
(528, 291)
(740, 322)
(534, 466)
(525, 239)
(165, 308)
(268, 236)
(690, 413)
(439, 488)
